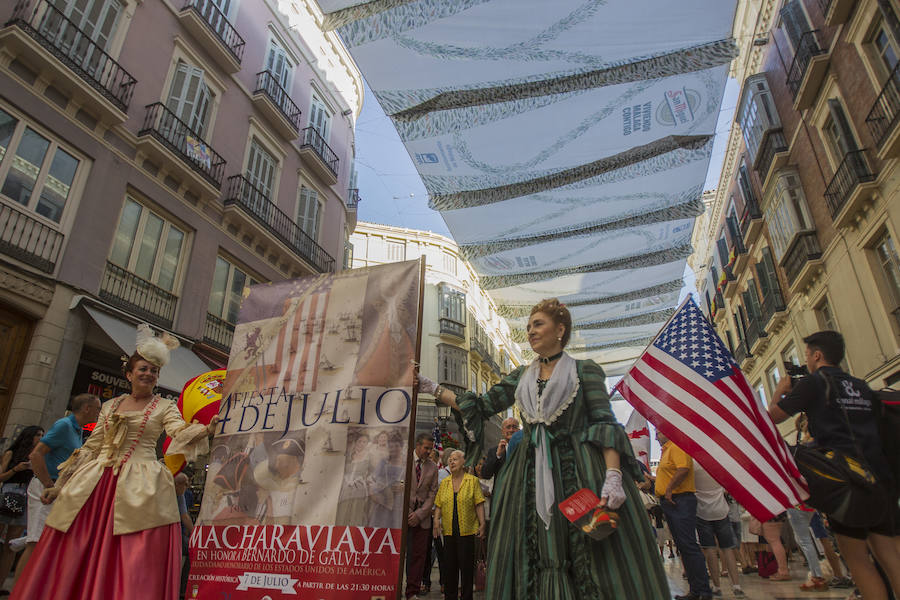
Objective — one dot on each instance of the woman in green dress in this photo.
(571, 440)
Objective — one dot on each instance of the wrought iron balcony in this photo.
(740, 352)
(801, 77)
(248, 197)
(751, 213)
(218, 332)
(312, 139)
(218, 24)
(853, 171)
(50, 27)
(451, 327)
(773, 144)
(771, 304)
(173, 133)
(138, 296)
(353, 198)
(734, 231)
(720, 301)
(882, 119)
(803, 249)
(25, 238)
(268, 86)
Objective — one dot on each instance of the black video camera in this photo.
(795, 371)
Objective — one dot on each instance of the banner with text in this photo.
(304, 493)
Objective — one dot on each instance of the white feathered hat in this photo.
(154, 349)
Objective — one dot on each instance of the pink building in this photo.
(155, 158)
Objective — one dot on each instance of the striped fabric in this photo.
(688, 385)
(525, 560)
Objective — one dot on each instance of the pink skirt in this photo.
(90, 563)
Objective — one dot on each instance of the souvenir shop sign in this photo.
(305, 494)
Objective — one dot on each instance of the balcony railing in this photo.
(772, 145)
(772, 303)
(883, 117)
(138, 296)
(720, 301)
(244, 194)
(26, 239)
(218, 332)
(740, 352)
(312, 139)
(174, 134)
(803, 249)
(219, 24)
(754, 332)
(451, 327)
(853, 170)
(806, 50)
(74, 48)
(267, 84)
(353, 198)
(751, 212)
(734, 231)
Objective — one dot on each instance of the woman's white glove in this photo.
(612, 490)
(426, 386)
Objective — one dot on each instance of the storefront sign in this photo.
(305, 494)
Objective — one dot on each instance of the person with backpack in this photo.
(842, 419)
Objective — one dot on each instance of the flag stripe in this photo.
(739, 459)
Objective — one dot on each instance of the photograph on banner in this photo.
(304, 493)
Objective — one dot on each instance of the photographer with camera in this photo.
(842, 421)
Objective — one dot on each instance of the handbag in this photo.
(12, 504)
(480, 569)
(842, 486)
(766, 564)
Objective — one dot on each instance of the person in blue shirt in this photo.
(54, 448)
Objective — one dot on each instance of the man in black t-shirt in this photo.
(846, 423)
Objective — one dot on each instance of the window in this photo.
(884, 47)
(473, 376)
(261, 168)
(751, 301)
(190, 98)
(772, 376)
(320, 118)
(757, 113)
(308, 212)
(761, 393)
(396, 250)
(94, 18)
(768, 279)
(789, 355)
(36, 172)
(348, 255)
(452, 304)
(839, 138)
(278, 63)
(787, 213)
(746, 191)
(890, 266)
(147, 245)
(227, 290)
(825, 316)
(794, 22)
(453, 363)
(449, 263)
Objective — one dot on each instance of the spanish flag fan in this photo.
(199, 401)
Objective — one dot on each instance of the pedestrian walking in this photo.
(16, 474)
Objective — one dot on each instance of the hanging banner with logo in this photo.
(305, 494)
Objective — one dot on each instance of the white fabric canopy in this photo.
(566, 143)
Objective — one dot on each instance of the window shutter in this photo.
(794, 21)
(846, 141)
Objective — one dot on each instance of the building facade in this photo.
(466, 345)
(155, 158)
(800, 235)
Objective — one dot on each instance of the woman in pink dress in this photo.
(114, 530)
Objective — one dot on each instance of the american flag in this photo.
(688, 385)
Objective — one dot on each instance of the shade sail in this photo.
(566, 143)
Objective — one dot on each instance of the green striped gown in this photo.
(527, 561)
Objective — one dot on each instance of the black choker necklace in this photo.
(550, 359)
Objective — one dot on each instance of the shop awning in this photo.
(565, 143)
(184, 365)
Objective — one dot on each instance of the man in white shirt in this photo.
(714, 529)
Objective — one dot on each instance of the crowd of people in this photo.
(106, 518)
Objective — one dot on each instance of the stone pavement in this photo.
(755, 587)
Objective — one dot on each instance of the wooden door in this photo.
(15, 335)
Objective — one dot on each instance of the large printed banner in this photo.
(304, 495)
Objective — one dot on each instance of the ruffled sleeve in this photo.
(191, 440)
(605, 431)
(474, 410)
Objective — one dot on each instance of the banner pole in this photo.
(412, 429)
